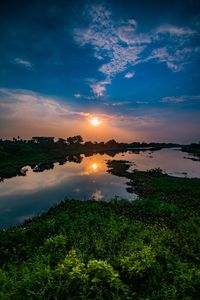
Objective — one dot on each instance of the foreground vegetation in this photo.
(146, 249)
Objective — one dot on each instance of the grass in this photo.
(146, 249)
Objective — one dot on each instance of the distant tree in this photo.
(88, 144)
(135, 144)
(101, 144)
(75, 140)
(61, 141)
(111, 144)
(43, 140)
(74, 158)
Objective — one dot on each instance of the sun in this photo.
(95, 121)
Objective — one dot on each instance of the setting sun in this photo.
(95, 122)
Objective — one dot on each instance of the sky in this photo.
(134, 65)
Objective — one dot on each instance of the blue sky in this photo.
(133, 64)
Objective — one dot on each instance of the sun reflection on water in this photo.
(94, 167)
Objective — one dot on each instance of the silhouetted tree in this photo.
(43, 140)
(88, 144)
(61, 141)
(75, 140)
(111, 144)
(77, 158)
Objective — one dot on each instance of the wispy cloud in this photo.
(119, 44)
(106, 38)
(175, 30)
(99, 88)
(18, 101)
(23, 62)
(174, 58)
(179, 99)
(83, 96)
(77, 95)
(129, 75)
(118, 103)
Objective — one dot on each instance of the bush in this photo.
(104, 281)
(139, 263)
(56, 248)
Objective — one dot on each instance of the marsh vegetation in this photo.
(144, 249)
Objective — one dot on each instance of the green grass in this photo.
(147, 249)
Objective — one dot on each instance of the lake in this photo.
(23, 197)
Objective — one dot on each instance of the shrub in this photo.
(104, 281)
(139, 262)
(55, 248)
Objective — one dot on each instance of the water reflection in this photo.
(81, 177)
(37, 191)
(94, 167)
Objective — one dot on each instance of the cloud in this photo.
(77, 95)
(129, 75)
(98, 88)
(162, 55)
(118, 103)
(86, 97)
(179, 99)
(122, 58)
(175, 31)
(22, 62)
(173, 99)
(105, 36)
(118, 45)
(174, 58)
(127, 34)
(19, 101)
(179, 46)
(142, 102)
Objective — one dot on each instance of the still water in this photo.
(22, 197)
